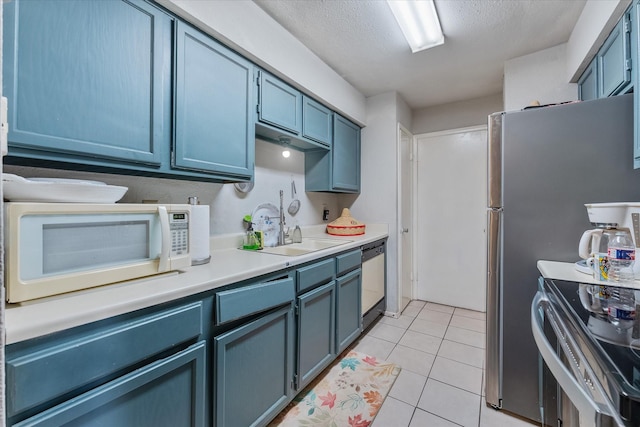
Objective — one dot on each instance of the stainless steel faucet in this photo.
(281, 233)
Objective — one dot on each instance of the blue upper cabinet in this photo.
(316, 121)
(280, 105)
(123, 87)
(610, 72)
(214, 125)
(338, 170)
(346, 155)
(588, 83)
(614, 60)
(285, 115)
(87, 78)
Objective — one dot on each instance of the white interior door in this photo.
(405, 216)
(451, 217)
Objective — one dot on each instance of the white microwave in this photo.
(53, 248)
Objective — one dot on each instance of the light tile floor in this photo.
(441, 352)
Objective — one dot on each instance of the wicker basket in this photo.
(346, 225)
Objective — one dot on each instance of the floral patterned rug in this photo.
(348, 393)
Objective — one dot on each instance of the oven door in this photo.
(583, 401)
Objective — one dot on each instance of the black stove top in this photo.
(615, 349)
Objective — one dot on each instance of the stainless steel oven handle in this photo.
(590, 411)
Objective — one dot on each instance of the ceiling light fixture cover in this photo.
(419, 22)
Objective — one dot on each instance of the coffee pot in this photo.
(611, 216)
(595, 241)
(600, 247)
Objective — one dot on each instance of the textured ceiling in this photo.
(362, 42)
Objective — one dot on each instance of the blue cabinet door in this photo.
(88, 79)
(316, 121)
(614, 60)
(253, 370)
(44, 370)
(279, 104)
(345, 155)
(214, 125)
(588, 83)
(316, 332)
(169, 392)
(338, 170)
(349, 309)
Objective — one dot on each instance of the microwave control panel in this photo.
(179, 226)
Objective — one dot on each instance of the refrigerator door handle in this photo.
(493, 384)
(494, 161)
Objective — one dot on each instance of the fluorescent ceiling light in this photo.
(419, 23)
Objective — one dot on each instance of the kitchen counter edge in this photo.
(228, 265)
(566, 271)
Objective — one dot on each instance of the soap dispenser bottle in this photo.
(250, 241)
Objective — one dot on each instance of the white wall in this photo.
(540, 77)
(456, 115)
(242, 25)
(377, 202)
(227, 206)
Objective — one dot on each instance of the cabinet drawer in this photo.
(38, 377)
(316, 274)
(349, 261)
(244, 301)
(169, 392)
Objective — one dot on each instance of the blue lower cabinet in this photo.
(349, 309)
(253, 370)
(316, 332)
(169, 392)
(44, 372)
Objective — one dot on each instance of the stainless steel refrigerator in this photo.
(544, 165)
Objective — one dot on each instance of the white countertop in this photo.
(567, 271)
(228, 265)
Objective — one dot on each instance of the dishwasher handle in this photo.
(589, 410)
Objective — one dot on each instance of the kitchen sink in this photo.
(308, 245)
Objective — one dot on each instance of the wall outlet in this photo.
(325, 214)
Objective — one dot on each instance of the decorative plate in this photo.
(266, 218)
(59, 190)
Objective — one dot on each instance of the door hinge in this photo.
(627, 64)
(627, 26)
(294, 382)
(297, 309)
(411, 157)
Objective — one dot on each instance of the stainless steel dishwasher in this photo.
(374, 279)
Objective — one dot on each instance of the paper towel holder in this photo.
(204, 234)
